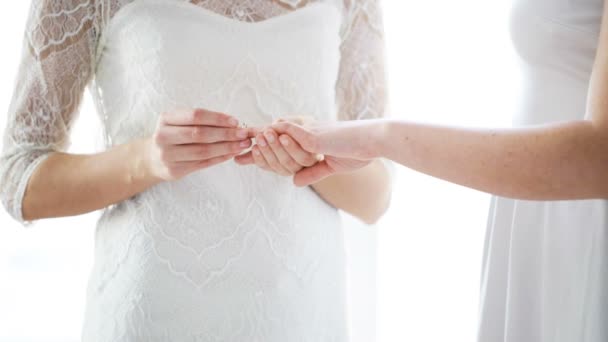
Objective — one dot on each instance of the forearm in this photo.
(67, 184)
(364, 193)
(554, 162)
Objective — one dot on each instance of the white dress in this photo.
(229, 253)
(545, 272)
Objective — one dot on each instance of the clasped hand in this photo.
(288, 148)
(279, 153)
(188, 140)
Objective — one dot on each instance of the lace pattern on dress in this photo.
(58, 63)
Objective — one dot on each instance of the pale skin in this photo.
(566, 161)
(185, 141)
(365, 193)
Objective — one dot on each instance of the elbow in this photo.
(27, 214)
(603, 187)
(375, 212)
(373, 217)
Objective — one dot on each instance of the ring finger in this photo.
(196, 152)
(270, 157)
(258, 159)
(281, 153)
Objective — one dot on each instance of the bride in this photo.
(191, 246)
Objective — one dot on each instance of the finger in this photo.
(270, 157)
(259, 160)
(281, 153)
(198, 152)
(296, 152)
(298, 120)
(305, 138)
(197, 116)
(256, 130)
(176, 135)
(183, 168)
(214, 161)
(245, 159)
(313, 174)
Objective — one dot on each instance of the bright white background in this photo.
(450, 62)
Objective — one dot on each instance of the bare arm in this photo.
(361, 94)
(551, 162)
(568, 161)
(38, 179)
(185, 141)
(364, 193)
(84, 182)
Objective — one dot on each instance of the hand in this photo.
(278, 153)
(192, 139)
(347, 146)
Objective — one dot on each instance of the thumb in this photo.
(305, 138)
(313, 174)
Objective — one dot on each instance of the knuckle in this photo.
(224, 119)
(197, 132)
(165, 157)
(196, 115)
(310, 160)
(159, 138)
(235, 147)
(163, 117)
(311, 142)
(292, 165)
(173, 172)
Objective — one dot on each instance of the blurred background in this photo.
(413, 277)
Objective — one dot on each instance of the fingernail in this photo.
(256, 152)
(242, 133)
(284, 140)
(234, 122)
(270, 137)
(261, 141)
(245, 143)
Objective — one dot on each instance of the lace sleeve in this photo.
(56, 65)
(361, 88)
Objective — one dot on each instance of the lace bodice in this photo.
(228, 253)
(60, 56)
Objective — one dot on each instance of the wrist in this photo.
(380, 137)
(142, 170)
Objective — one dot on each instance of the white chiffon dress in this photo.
(229, 253)
(545, 271)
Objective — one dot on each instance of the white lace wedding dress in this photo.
(229, 253)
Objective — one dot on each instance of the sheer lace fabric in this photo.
(228, 253)
(60, 55)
